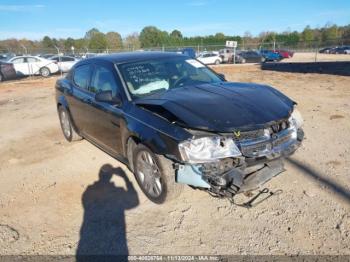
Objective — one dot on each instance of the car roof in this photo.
(23, 56)
(134, 56)
(62, 56)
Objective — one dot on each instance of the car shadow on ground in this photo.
(335, 187)
(334, 68)
(103, 231)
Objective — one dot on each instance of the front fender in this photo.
(158, 134)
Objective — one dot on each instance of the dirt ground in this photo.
(52, 201)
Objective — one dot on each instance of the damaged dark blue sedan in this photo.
(174, 121)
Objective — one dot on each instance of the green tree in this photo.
(176, 34)
(114, 40)
(151, 36)
(68, 43)
(80, 44)
(329, 33)
(90, 33)
(346, 33)
(47, 42)
(132, 41)
(98, 41)
(307, 34)
(220, 36)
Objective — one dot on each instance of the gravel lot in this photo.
(52, 201)
(312, 56)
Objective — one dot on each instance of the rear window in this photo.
(82, 76)
(32, 60)
(67, 59)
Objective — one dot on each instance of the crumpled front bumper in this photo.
(262, 160)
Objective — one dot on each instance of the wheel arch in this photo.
(159, 142)
(62, 102)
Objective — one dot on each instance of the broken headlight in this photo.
(207, 149)
(296, 119)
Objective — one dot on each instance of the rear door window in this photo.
(32, 60)
(81, 76)
(103, 80)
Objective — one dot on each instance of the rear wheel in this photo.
(66, 125)
(45, 72)
(1, 78)
(155, 175)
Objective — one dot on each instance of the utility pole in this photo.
(25, 49)
(59, 58)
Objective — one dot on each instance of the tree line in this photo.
(151, 36)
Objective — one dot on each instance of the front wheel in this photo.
(217, 62)
(45, 72)
(155, 175)
(1, 78)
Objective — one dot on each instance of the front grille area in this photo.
(271, 143)
(246, 135)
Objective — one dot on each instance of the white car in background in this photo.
(65, 63)
(209, 58)
(33, 65)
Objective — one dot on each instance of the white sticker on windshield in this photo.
(194, 63)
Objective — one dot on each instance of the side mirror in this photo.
(107, 97)
(222, 77)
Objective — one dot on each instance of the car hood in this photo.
(220, 107)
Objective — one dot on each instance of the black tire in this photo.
(45, 72)
(67, 128)
(1, 78)
(217, 62)
(170, 190)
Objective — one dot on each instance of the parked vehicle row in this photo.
(47, 64)
(253, 56)
(335, 50)
(13, 67)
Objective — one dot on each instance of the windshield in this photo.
(159, 75)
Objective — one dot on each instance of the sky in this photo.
(33, 19)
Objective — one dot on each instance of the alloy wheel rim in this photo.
(45, 72)
(65, 124)
(149, 174)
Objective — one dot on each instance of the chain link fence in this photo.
(304, 51)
